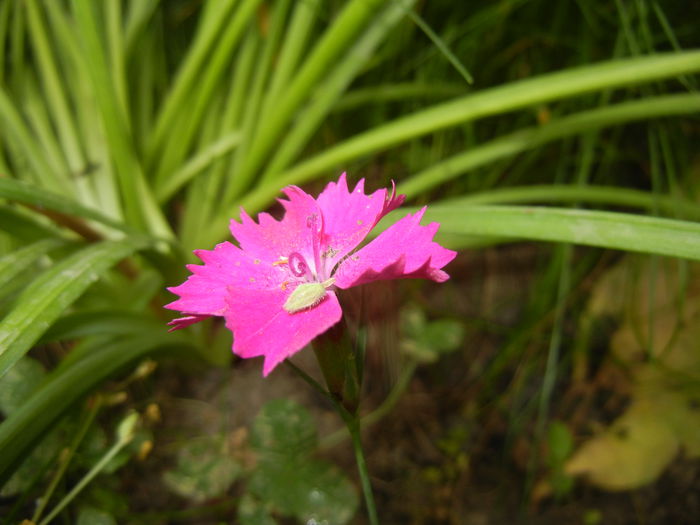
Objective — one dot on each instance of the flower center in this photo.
(297, 265)
(312, 273)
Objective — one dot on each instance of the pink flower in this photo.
(278, 289)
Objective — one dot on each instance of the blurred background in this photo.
(553, 379)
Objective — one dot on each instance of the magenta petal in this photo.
(182, 322)
(404, 250)
(204, 292)
(261, 326)
(392, 200)
(269, 239)
(348, 217)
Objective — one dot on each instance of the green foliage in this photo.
(252, 512)
(287, 477)
(20, 381)
(560, 445)
(204, 469)
(133, 130)
(16, 386)
(656, 346)
(426, 340)
(93, 516)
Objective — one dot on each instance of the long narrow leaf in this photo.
(331, 45)
(197, 164)
(25, 427)
(42, 302)
(503, 147)
(25, 193)
(674, 207)
(19, 260)
(516, 95)
(178, 144)
(21, 138)
(331, 89)
(54, 89)
(141, 209)
(24, 226)
(619, 231)
(215, 15)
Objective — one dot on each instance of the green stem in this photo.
(66, 458)
(317, 386)
(378, 413)
(124, 437)
(352, 421)
(354, 429)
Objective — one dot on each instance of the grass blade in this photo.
(25, 193)
(141, 209)
(19, 260)
(336, 83)
(53, 88)
(647, 108)
(588, 194)
(331, 45)
(66, 385)
(619, 231)
(43, 301)
(516, 95)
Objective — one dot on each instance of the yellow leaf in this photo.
(630, 454)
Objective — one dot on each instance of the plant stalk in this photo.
(352, 421)
(353, 424)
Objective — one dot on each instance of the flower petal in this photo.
(182, 322)
(204, 292)
(261, 326)
(404, 250)
(349, 216)
(269, 239)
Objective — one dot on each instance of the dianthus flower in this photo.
(278, 289)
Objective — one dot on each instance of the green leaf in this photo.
(287, 478)
(141, 209)
(674, 206)
(42, 302)
(530, 138)
(312, 490)
(36, 464)
(284, 431)
(18, 261)
(425, 341)
(22, 139)
(24, 226)
(64, 386)
(19, 383)
(252, 512)
(26, 193)
(53, 87)
(16, 387)
(337, 38)
(100, 323)
(493, 101)
(215, 15)
(93, 516)
(197, 164)
(620, 231)
(335, 83)
(205, 469)
(561, 443)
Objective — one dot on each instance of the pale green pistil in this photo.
(307, 295)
